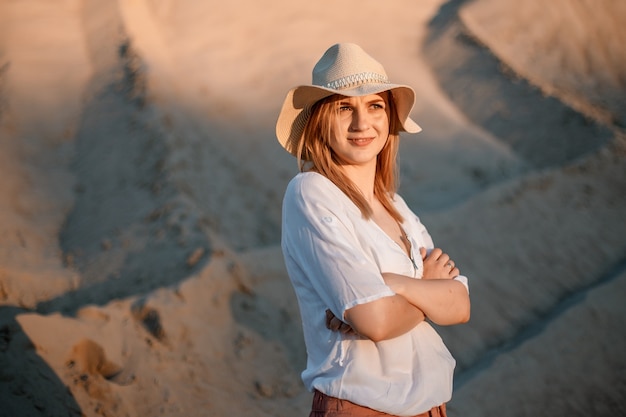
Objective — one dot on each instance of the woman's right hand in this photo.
(438, 265)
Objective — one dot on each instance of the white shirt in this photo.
(335, 258)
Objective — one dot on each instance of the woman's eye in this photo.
(344, 108)
(377, 106)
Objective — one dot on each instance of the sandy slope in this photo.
(570, 49)
(140, 272)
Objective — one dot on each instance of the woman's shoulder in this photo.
(310, 189)
(311, 184)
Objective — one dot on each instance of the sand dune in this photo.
(140, 268)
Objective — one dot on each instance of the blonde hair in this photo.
(315, 154)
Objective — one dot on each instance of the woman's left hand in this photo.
(336, 325)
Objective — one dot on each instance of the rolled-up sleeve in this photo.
(320, 247)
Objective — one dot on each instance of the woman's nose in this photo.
(360, 120)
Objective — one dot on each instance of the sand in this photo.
(141, 184)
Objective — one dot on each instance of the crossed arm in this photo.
(437, 296)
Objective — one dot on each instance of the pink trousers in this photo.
(325, 406)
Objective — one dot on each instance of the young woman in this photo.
(364, 268)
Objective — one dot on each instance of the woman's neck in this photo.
(363, 177)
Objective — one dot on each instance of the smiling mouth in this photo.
(361, 141)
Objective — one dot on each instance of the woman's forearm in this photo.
(385, 318)
(444, 301)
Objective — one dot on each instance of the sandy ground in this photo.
(141, 184)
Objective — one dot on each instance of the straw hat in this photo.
(345, 69)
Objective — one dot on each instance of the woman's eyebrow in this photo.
(376, 100)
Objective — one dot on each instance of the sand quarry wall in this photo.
(140, 272)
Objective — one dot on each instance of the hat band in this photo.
(357, 79)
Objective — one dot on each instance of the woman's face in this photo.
(361, 129)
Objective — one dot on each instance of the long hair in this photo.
(315, 154)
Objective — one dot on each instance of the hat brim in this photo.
(296, 108)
